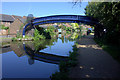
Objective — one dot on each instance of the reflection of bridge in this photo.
(61, 19)
(45, 57)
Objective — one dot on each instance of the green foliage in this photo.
(67, 28)
(113, 50)
(63, 66)
(18, 35)
(63, 27)
(51, 30)
(59, 76)
(108, 15)
(42, 31)
(37, 35)
(14, 39)
(43, 43)
(74, 36)
(75, 25)
(68, 32)
(20, 38)
(3, 27)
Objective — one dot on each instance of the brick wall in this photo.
(15, 26)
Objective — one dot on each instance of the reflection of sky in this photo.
(18, 67)
(59, 48)
(0, 65)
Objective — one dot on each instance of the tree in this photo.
(108, 14)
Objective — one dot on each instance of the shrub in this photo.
(59, 76)
(37, 36)
(3, 27)
(14, 39)
(63, 66)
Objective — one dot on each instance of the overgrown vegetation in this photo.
(64, 66)
(3, 27)
(113, 50)
(108, 14)
(38, 36)
(20, 38)
(50, 30)
(43, 43)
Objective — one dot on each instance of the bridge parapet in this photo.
(62, 17)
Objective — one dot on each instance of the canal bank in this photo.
(93, 62)
(35, 59)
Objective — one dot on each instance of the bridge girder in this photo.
(61, 19)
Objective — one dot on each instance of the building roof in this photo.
(11, 18)
(23, 20)
(4, 17)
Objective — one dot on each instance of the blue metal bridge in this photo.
(61, 19)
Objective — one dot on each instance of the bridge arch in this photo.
(61, 19)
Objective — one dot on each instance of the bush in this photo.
(37, 36)
(63, 66)
(113, 50)
(59, 76)
(107, 13)
(3, 27)
(50, 30)
(14, 39)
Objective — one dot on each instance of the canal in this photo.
(36, 59)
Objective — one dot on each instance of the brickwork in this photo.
(15, 26)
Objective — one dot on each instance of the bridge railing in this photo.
(75, 17)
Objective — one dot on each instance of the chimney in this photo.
(24, 17)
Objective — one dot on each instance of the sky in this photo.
(41, 9)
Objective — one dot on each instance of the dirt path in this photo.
(93, 62)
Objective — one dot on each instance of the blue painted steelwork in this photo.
(25, 28)
(61, 19)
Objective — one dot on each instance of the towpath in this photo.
(93, 62)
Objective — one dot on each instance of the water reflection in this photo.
(41, 56)
(36, 59)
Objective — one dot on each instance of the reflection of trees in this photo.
(73, 37)
(17, 47)
(43, 43)
(62, 38)
(70, 37)
(66, 40)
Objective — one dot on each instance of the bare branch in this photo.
(75, 2)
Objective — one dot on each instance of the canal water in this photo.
(35, 59)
